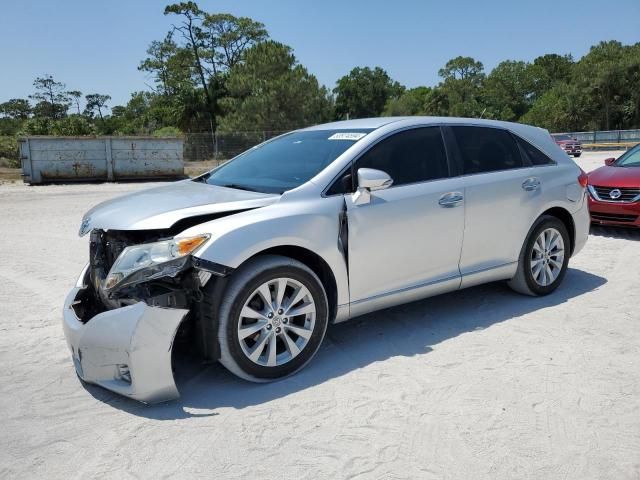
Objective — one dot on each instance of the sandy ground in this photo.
(481, 383)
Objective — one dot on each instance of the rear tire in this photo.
(261, 339)
(544, 258)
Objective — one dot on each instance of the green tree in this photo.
(16, 108)
(364, 92)
(190, 28)
(437, 103)
(507, 91)
(604, 76)
(51, 97)
(96, 103)
(463, 68)
(563, 108)
(170, 66)
(631, 100)
(412, 102)
(463, 78)
(75, 96)
(549, 70)
(227, 38)
(269, 90)
(209, 46)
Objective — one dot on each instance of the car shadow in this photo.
(626, 233)
(407, 330)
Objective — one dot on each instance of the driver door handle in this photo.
(531, 184)
(451, 199)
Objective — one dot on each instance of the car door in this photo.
(409, 234)
(502, 194)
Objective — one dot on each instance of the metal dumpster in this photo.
(64, 159)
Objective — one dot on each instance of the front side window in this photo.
(629, 159)
(285, 162)
(415, 155)
(486, 149)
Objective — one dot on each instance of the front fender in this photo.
(309, 224)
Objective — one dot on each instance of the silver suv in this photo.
(251, 261)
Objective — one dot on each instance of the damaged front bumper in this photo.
(126, 350)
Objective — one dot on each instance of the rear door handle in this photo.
(451, 199)
(531, 184)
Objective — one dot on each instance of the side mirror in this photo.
(609, 161)
(370, 180)
(373, 179)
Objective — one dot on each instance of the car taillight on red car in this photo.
(583, 179)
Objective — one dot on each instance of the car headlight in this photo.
(152, 260)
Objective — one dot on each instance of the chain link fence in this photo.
(220, 147)
(604, 139)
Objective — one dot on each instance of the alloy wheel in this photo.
(276, 322)
(547, 257)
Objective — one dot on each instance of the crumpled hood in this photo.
(161, 207)
(609, 176)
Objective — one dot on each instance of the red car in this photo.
(569, 144)
(615, 191)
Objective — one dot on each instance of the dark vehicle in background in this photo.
(569, 144)
(614, 191)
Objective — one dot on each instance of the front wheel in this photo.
(544, 258)
(273, 318)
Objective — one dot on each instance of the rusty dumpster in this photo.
(66, 159)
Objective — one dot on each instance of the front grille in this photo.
(626, 194)
(613, 217)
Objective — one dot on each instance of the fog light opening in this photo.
(123, 373)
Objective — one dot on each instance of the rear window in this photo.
(486, 149)
(535, 156)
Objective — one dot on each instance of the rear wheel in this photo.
(273, 318)
(544, 258)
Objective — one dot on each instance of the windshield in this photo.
(562, 137)
(285, 162)
(630, 159)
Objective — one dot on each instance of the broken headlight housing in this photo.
(148, 261)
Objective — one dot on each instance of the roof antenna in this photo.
(482, 114)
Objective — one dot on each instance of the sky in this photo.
(95, 46)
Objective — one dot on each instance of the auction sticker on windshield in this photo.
(353, 136)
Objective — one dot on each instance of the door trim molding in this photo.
(429, 289)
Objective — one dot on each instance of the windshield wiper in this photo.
(239, 187)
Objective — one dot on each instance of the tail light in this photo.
(583, 179)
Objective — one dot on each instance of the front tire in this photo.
(273, 318)
(544, 258)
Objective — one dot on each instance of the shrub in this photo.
(73, 126)
(37, 126)
(9, 151)
(167, 132)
